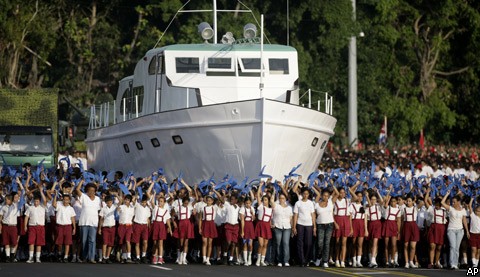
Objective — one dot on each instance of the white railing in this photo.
(325, 106)
(105, 114)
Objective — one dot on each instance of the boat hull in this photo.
(235, 138)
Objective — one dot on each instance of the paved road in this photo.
(84, 270)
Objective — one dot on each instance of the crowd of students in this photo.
(359, 215)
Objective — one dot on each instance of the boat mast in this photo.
(261, 56)
(215, 21)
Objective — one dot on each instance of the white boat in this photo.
(203, 108)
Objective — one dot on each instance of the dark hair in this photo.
(458, 198)
(144, 198)
(325, 190)
(90, 185)
(185, 199)
(304, 189)
(128, 197)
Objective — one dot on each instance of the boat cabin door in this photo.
(159, 76)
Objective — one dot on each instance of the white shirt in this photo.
(410, 214)
(64, 214)
(208, 213)
(184, 213)
(437, 216)
(392, 213)
(231, 213)
(455, 218)
(324, 214)
(77, 206)
(125, 214)
(374, 212)
(474, 224)
(282, 216)
(354, 210)
(108, 215)
(304, 211)
(142, 214)
(161, 214)
(421, 217)
(10, 214)
(341, 207)
(265, 214)
(90, 208)
(220, 216)
(199, 206)
(248, 213)
(36, 215)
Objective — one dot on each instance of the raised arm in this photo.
(78, 188)
(444, 199)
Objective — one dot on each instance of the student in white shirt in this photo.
(325, 221)
(282, 220)
(161, 226)
(65, 224)
(8, 226)
(88, 221)
(304, 226)
(141, 224)
(106, 228)
(35, 226)
(457, 223)
(126, 212)
(474, 232)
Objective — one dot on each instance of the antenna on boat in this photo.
(261, 56)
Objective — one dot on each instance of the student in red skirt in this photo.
(161, 226)
(359, 223)
(411, 233)
(474, 232)
(343, 226)
(106, 228)
(436, 233)
(247, 232)
(391, 229)
(35, 226)
(263, 230)
(374, 217)
(141, 224)
(65, 224)
(8, 227)
(184, 229)
(207, 228)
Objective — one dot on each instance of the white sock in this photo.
(231, 258)
(396, 257)
(245, 256)
(184, 257)
(144, 254)
(37, 254)
(359, 259)
(30, 254)
(179, 255)
(374, 260)
(129, 255)
(262, 259)
(7, 252)
(249, 257)
(464, 260)
(474, 262)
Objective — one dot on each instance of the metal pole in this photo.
(309, 98)
(215, 21)
(114, 112)
(188, 93)
(318, 105)
(326, 102)
(331, 105)
(261, 56)
(124, 109)
(136, 106)
(101, 115)
(352, 89)
(288, 23)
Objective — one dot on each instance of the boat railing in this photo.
(322, 105)
(106, 114)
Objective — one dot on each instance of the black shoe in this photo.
(230, 262)
(108, 261)
(144, 260)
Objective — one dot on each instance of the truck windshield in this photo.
(25, 143)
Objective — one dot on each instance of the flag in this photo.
(382, 138)
(422, 140)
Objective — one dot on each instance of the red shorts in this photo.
(436, 234)
(63, 235)
(9, 235)
(231, 233)
(209, 229)
(390, 228)
(263, 230)
(36, 235)
(475, 240)
(124, 233)
(358, 228)
(411, 231)
(21, 226)
(343, 226)
(248, 230)
(220, 235)
(140, 232)
(159, 231)
(184, 230)
(108, 236)
(374, 229)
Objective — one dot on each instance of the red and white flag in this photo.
(382, 138)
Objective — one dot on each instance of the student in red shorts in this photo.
(66, 227)
(8, 226)
(106, 228)
(141, 224)
(35, 226)
(126, 211)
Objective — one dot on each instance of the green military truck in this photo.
(28, 126)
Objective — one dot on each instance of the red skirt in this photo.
(436, 234)
(374, 229)
(343, 226)
(263, 230)
(159, 231)
(358, 228)
(184, 230)
(411, 231)
(475, 240)
(248, 230)
(390, 229)
(209, 229)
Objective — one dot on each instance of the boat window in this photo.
(155, 142)
(250, 64)
(139, 145)
(220, 63)
(278, 66)
(153, 62)
(126, 148)
(187, 65)
(249, 67)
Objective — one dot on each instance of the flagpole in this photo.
(385, 122)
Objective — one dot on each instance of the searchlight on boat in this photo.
(249, 31)
(228, 38)
(205, 31)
